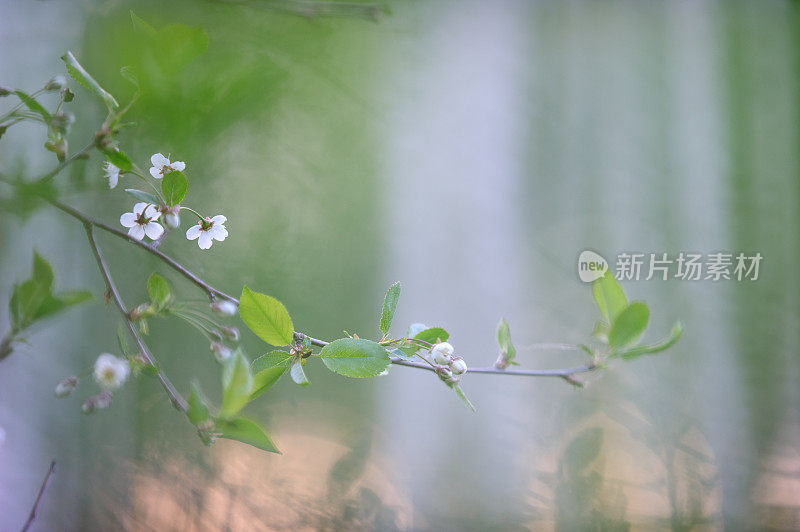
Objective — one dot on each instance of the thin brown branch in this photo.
(177, 400)
(38, 501)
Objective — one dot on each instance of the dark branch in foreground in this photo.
(177, 400)
(568, 374)
(38, 501)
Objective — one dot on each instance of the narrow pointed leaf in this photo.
(389, 307)
(246, 431)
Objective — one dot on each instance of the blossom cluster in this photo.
(146, 216)
(109, 372)
(450, 368)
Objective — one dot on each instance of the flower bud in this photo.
(442, 353)
(100, 401)
(230, 333)
(56, 83)
(458, 366)
(223, 308)
(142, 311)
(221, 351)
(65, 387)
(416, 328)
(172, 216)
(444, 372)
(67, 95)
(62, 120)
(4, 91)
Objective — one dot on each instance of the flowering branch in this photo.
(177, 400)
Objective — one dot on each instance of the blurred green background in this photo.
(470, 150)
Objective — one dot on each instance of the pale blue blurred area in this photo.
(470, 150)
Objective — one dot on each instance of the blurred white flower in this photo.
(208, 230)
(142, 221)
(111, 372)
(442, 353)
(112, 174)
(56, 83)
(223, 308)
(162, 166)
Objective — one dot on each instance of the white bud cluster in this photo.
(448, 367)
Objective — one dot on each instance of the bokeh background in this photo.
(470, 150)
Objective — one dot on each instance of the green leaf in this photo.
(600, 331)
(176, 45)
(389, 307)
(54, 304)
(141, 195)
(629, 325)
(675, 334)
(34, 106)
(237, 384)
(118, 159)
(461, 395)
(79, 74)
(42, 272)
(507, 350)
(198, 407)
(141, 26)
(173, 187)
(355, 357)
(246, 431)
(582, 451)
(29, 296)
(159, 290)
(267, 317)
(609, 296)
(298, 375)
(267, 369)
(433, 335)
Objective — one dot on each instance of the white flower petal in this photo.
(152, 212)
(137, 232)
(193, 232)
(153, 230)
(140, 207)
(156, 172)
(205, 240)
(219, 219)
(112, 180)
(128, 219)
(178, 165)
(218, 232)
(158, 160)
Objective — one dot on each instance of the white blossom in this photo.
(208, 230)
(111, 372)
(442, 353)
(142, 221)
(224, 308)
(458, 366)
(112, 174)
(162, 166)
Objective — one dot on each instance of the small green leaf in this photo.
(173, 187)
(507, 350)
(237, 384)
(79, 74)
(118, 159)
(141, 195)
(245, 431)
(600, 331)
(675, 334)
(355, 357)
(56, 303)
(433, 335)
(461, 395)
(34, 106)
(159, 290)
(629, 325)
(42, 272)
(389, 307)
(198, 407)
(267, 317)
(267, 369)
(609, 296)
(298, 375)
